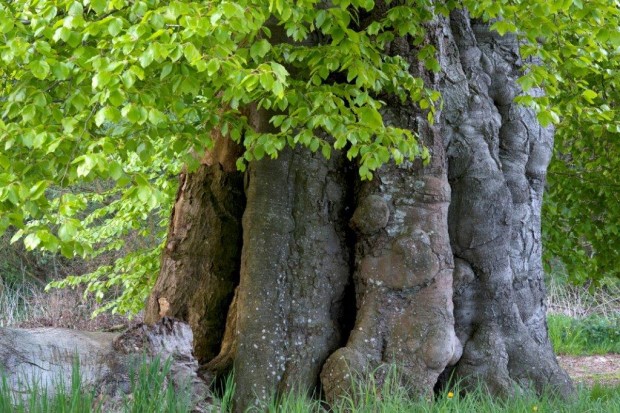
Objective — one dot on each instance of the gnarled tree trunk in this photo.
(444, 258)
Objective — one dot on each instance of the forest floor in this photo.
(590, 370)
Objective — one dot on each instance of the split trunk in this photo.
(298, 275)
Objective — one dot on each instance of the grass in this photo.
(594, 334)
(581, 322)
(16, 302)
(26, 304)
(584, 321)
(595, 400)
(149, 393)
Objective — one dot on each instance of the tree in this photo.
(292, 268)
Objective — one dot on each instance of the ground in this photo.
(588, 370)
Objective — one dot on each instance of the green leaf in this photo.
(67, 231)
(156, 117)
(6, 22)
(107, 114)
(326, 150)
(115, 170)
(38, 189)
(85, 164)
(213, 66)
(165, 71)
(99, 6)
(191, 53)
(115, 26)
(260, 49)
(589, 95)
(61, 70)
(147, 57)
(31, 242)
(370, 117)
(39, 68)
(76, 9)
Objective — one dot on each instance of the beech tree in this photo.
(360, 182)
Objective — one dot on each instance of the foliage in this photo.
(577, 44)
(590, 335)
(121, 95)
(582, 207)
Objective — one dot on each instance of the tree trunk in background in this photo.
(444, 258)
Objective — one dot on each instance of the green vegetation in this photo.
(104, 102)
(594, 334)
(149, 394)
(595, 400)
(582, 320)
(35, 398)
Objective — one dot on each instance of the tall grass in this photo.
(26, 304)
(590, 335)
(149, 392)
(579, 301)
(582, 320)
(17, 303)
(32, 397)
(393, 398)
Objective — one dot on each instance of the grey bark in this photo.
(46, 357)
(403, 264)
(498, 155)
(294, 269)
(445, 259)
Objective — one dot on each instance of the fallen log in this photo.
(47, 356)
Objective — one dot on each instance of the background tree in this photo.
(331, 274)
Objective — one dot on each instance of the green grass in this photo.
(149, 394)
(595, 400)
(594, 334)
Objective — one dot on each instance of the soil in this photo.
(589, 370)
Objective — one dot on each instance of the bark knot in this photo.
(371, 215)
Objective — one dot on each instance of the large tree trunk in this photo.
(498, 156)
(444, 258)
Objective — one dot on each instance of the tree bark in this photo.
(200, 262)
(498, 155)
(294, 269)
(46, 357)
(403, 263)
(444, 257)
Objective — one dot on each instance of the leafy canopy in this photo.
(103, 102)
